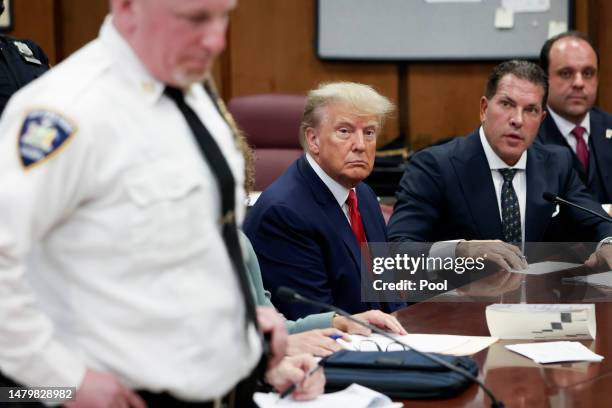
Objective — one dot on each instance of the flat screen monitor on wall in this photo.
(429, 30)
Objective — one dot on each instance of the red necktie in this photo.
(581, 148)
(358, 231)
(355, 217)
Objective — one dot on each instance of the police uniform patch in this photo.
(26, 52)
(42, 134)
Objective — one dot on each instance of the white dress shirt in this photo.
(519, 182)
(339, 192)
(111, 255)
(565, 128)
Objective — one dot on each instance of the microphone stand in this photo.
(290, 295)
(550, 197)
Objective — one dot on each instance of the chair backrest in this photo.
(271, 123)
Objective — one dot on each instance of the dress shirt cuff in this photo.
(444, 249)
(606, 240)
(606, 208)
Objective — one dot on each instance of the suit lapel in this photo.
(552, 135)
(537, 211)
(601, 150)
(331, 209)
(474, 175)
(369, 216)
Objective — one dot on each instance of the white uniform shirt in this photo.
(111, 256)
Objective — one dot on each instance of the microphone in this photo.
(552, 198)
(289, 295)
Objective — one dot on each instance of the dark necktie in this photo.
(581, 148)
(226, 184)
(511, 212)
(355, 217)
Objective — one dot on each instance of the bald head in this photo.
(176, 40)
(572, 68)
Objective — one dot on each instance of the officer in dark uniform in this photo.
(21, 61)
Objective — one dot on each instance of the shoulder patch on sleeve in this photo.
(43, 134)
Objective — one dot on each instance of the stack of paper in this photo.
(542, 321)
(555, 352)
(354, 396)
(431, 343)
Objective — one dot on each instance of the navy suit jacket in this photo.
(599, 177)
(15, 70)
(304, 241)
(447, 192)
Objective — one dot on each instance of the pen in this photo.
(335, 336)
(292, 387)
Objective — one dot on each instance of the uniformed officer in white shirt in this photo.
(114, 276)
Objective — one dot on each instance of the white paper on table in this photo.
(555, 352)
(542, 321)
(526, 6)
(603, 279)
(430, 343)
(499, 356)
(542, 268)
(354, 396)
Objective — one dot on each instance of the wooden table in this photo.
(514, 379)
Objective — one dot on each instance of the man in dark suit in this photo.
(307, 227)
(571, 63)
(489, 185)
(21, 61)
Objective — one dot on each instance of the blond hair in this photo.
(361, 99)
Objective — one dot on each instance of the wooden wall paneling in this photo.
(582, 16)
(272, 51)
(444, 100)
(444, 97)
(222, 68)
(35, 20)
(219, 77)
(79, 22)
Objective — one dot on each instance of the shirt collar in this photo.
(125, 60)
(339, 192)
(495, 162)
(565, 126)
